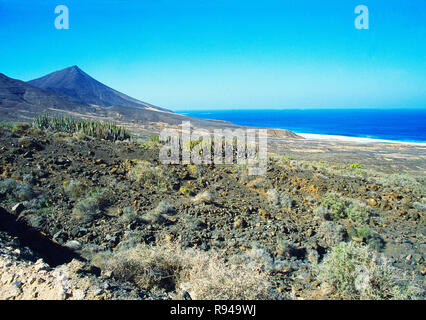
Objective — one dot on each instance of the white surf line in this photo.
(312, 136)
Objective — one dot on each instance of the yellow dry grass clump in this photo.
(203, 275)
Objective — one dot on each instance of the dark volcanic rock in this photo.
(19, 99)
(74, 83)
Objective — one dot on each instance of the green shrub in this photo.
(155, 139)
(356, 166)
(362, 232)
(357, 211)
(344, 208)
(373, 239)
(336, 204)
(415, 183)
(21, 128)
(186, 191)
(7, 124)
(357, 272)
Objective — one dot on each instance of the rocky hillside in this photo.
(77, 85)
(201, 232)
(26, 276)
(20, 100)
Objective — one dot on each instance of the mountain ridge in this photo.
(18, 99)
(74, 93)
(77, 85)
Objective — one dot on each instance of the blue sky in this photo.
(198, 54)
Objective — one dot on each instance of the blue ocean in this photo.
(408, 125)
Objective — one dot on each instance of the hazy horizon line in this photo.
(295, 108)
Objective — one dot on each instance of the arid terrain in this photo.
(385, 157)
(87, 218)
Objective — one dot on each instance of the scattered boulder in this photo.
(18, 208)
(73, 244)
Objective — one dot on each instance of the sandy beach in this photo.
(312, 136)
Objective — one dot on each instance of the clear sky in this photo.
(198, 54)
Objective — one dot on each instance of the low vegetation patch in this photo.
(415, 184)
(148, 174)
(356, 166)
(159, 213)
(7, 124)
(282, 200)
(74, 189)
(99, 130)
(148, 143)
(203, 197)
(92, 206)
(358, 272)
(186, 191)
(344, 208)
(21, 128)
(169, 267)
(15, 191)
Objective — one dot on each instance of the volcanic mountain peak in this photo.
(75, 72)
(72, 91)
(69, 78)
(20, 100)
(79, 86)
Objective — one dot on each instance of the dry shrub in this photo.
(159, 213)
(21, 128)
(282, 200)
(204, 275)
(74, 189)
(204, 197)
(92, 206)
(149, 174)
